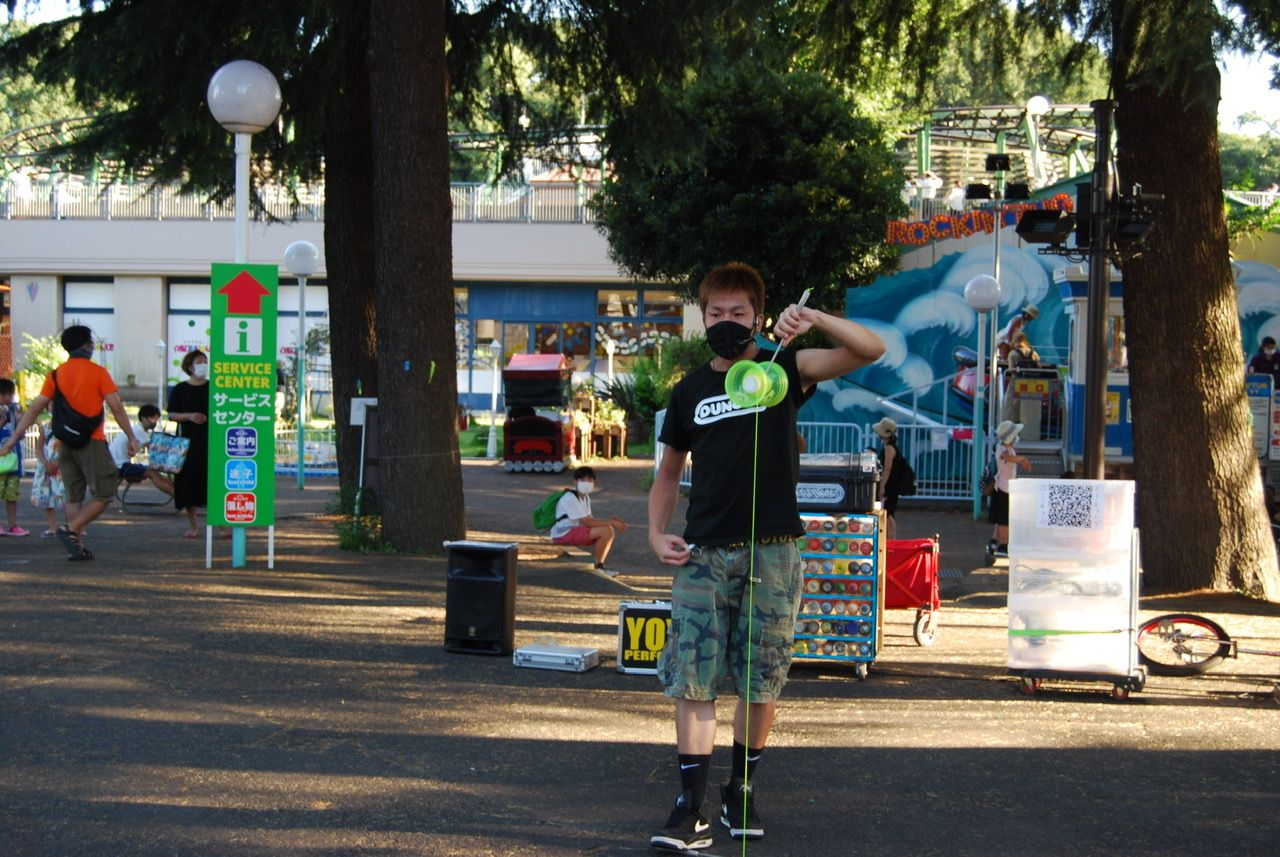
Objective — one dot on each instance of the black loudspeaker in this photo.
(480, 599)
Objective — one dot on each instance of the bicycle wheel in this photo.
(1182, 644)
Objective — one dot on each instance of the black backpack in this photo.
(904, 475)
(69, 425)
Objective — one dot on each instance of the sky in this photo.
(1245, 80)
(1246, 88)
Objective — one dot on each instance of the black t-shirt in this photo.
(722, 439)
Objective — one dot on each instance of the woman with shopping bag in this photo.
(189, 408)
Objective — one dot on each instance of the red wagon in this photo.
(911, 582)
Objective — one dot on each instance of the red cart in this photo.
(911, 582)
(533, 441)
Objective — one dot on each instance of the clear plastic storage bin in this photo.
(1070, 517)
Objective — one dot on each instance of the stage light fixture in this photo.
(997, 163)
(1017, 190)
(977, 191)
(1135, 218)
(1046, 226)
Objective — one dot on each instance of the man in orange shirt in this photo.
(85, 385)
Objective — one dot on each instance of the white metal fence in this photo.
(79, 198)
(320, 452)
(942, 457)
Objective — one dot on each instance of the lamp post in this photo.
(302, 258)
(162, 354)
(610, 348)
(1037, 106)
(245, 98)
(982, 294)
(495, 353)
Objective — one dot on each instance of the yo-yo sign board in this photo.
(643, 628)
(242, 395)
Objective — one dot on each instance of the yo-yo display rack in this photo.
(841, 599)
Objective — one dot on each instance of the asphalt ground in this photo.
(149, 706)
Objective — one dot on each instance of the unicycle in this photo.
(1182, 644)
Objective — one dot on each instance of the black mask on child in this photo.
(729, 339)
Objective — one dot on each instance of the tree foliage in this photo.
(24, 102)
(778, 172)
(143, 66)
(1250, 162)
(1195, 468)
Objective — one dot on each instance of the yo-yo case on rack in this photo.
(841, 600)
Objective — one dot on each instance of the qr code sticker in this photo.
(1063, 506)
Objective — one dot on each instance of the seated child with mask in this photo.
(575, 525)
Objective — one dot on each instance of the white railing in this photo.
(942, 456)
(543, 202)
(76, 198)
(1262, 198)
(321, 452)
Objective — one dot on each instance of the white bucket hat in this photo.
(1007, 432)
(885, 428)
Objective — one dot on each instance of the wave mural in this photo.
(925, 323)
(922, 316)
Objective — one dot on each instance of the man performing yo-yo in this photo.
(739, 572)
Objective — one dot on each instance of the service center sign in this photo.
(242, 395)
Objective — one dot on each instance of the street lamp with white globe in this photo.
(982, 294)
(245, 98)
(302, 259)
(162, 354)
(495, 354)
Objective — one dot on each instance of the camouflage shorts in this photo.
(709, 624)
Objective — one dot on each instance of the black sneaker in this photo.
(686, 830)
(735, 796)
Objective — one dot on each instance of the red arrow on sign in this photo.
(244, 294)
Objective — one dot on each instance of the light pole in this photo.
(982, 294)
(495, 353)
(245, 98)
(162, 354)
(302, 258)
(610, 348)
(1037, 106)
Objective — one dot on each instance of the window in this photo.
(1117, 351)
(481, 353)
(633, 340)
(663, 304)
(618, 303)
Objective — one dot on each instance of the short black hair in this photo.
(75, 336)
(148, 410)
(1267, 340)
(7, 386)
(584, 472)
(190, 360)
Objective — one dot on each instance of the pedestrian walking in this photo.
(80, 388)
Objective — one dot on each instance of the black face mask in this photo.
(728, 339)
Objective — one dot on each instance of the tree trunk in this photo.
(419, 466)
(348, 236)
(1200, 505)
